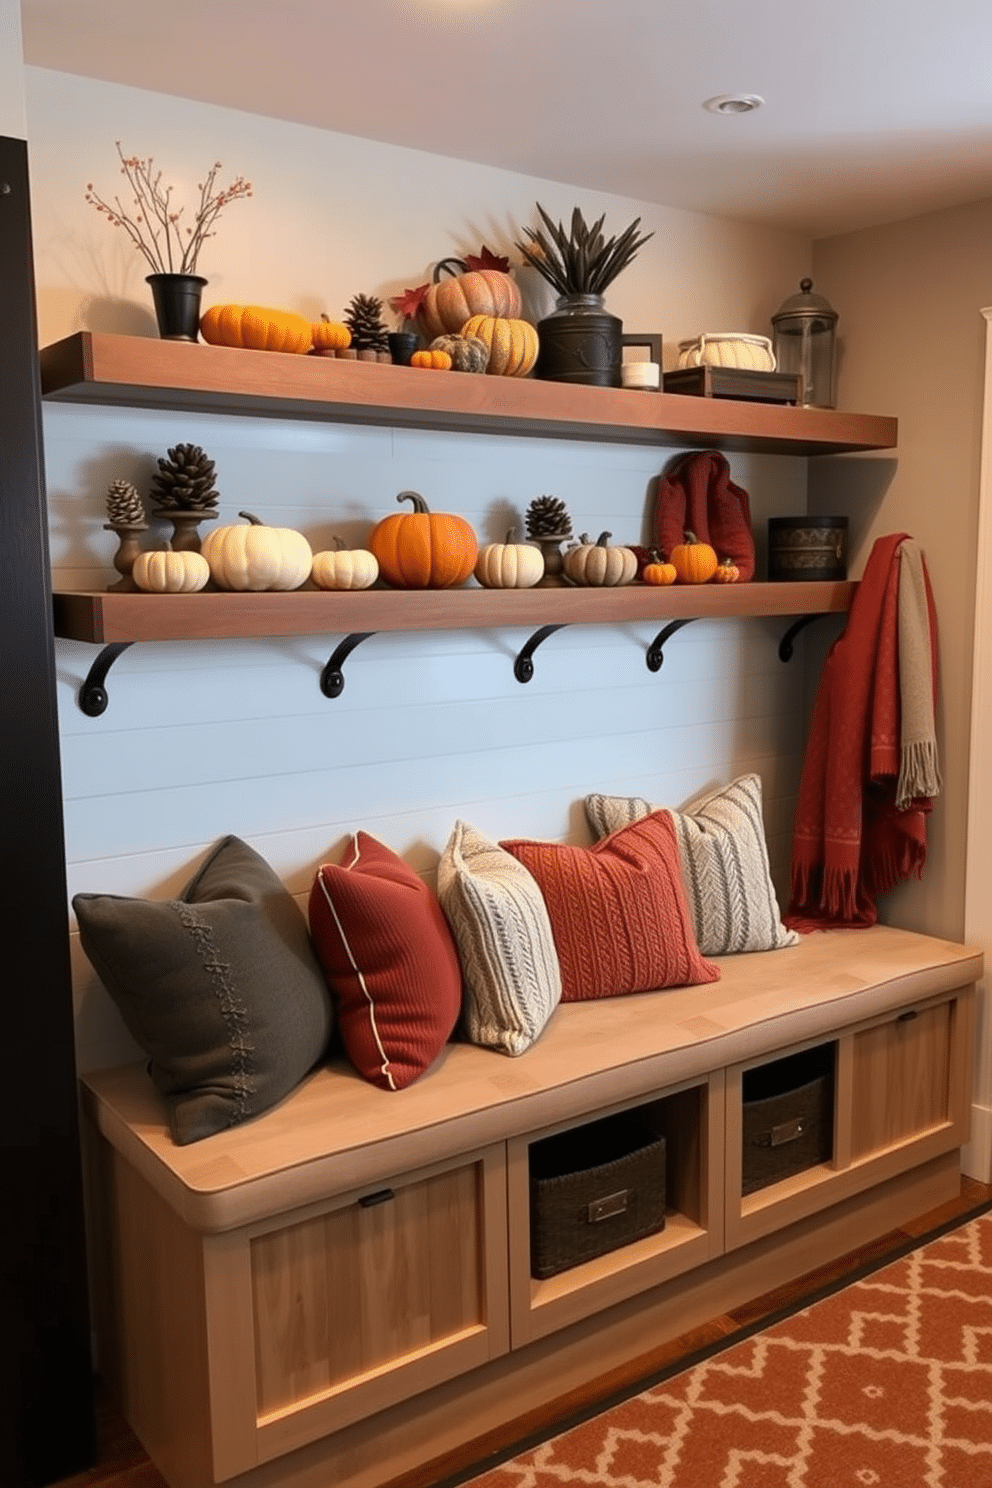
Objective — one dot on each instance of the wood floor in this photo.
(123, 1464)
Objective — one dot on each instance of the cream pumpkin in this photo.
(509, 565)
(512, 343)
(165, 572)
(256, 558)
(344, 568)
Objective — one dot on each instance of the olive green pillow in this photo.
(220, 987)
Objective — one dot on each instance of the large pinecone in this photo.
(185, 481)
(124, 508)
(363, 317)
(548, 517)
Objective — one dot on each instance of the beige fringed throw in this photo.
(919, 766)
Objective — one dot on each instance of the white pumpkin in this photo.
(257, 557)
(344, 568)
(165, 572)
(509, 565)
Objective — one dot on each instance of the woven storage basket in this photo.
(594, 1188)
(788, 1117)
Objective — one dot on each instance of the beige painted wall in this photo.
(910, 296)
(12, 112)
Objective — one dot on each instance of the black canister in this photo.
(807, 548)
(580, 342)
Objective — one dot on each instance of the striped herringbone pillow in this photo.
(724, 861)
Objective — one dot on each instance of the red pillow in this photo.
(618, 911)
(390, 962)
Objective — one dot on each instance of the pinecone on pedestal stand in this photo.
(185, 492)
(548, 524)
(124, 508)
(369, 334)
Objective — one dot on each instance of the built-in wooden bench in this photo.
(341, 1290)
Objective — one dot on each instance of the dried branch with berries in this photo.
(155, 225)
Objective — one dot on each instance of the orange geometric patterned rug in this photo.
(887, 1382)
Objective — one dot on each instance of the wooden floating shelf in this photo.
(105, 617)
(143, 372)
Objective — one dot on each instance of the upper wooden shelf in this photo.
(143, 372)
(106, 617)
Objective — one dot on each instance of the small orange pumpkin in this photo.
(512, 343)
(727, 572)
(695, 562)
(330, 335)
(658, 571)
(439, 360)
(423, 549)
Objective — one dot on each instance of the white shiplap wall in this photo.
(205, 738)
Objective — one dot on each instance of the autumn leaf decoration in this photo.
(408, 303)
(487, 260)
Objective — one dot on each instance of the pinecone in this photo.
(124, 508)
(185, 481)
(363, 317)
(548, 517)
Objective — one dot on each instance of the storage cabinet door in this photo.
(344, 1310)
(901, 1097)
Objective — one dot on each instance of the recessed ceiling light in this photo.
(734, 103)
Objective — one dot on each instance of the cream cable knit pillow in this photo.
(724, 860)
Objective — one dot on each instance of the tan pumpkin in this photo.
(330, 335)
(695, 562)
(448, 303)
(344, 568)
(161, 571)
(467, 353)
(512, 343)
(439, 360)
(509, 565)
(256, 327)
(257, 558)
(598, 563)
(423, 549)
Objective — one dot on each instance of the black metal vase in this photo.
(580, 342)
(177, 304)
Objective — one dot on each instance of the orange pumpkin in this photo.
(658, 571)
(695, 562)
(433, 357)
(423, 549)
(512, 343)
(449, 303)
(727, 572)
(330, 335)
(256, 327)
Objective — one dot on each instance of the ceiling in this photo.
(874, 109)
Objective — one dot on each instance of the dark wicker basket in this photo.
(788, 1117)
(594, 1188)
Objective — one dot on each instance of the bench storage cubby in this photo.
(342, 1290)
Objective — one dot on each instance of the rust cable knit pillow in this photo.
(618, 911)
(390, 962)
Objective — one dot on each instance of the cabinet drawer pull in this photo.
(907, 1016)
(607, 1208)
(381, 1196)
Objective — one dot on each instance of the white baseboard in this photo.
(976, 1157)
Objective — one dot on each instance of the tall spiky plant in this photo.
(580, 260)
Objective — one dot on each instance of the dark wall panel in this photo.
(46, 1404)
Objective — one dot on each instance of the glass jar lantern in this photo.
(805, 343)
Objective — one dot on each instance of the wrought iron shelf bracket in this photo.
(523, 666)
(93, 697)
(785, 646)
(332, 676)
(656, 651)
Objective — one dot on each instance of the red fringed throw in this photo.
(850, 842)
(697, 495)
